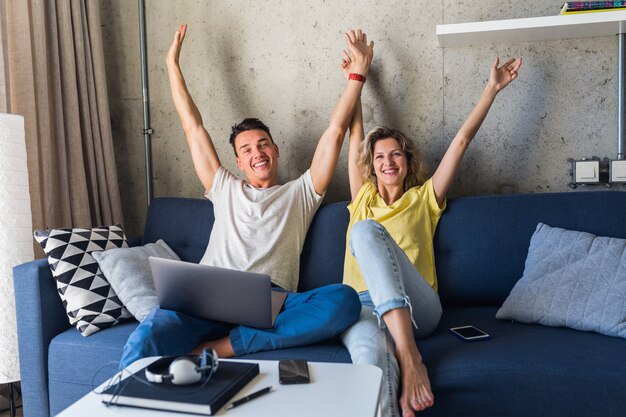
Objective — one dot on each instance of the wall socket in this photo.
(617, 171)
(590, 171)
(586, 171)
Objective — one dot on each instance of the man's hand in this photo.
(173, 54)
(205, 159)
(360, 53)
(357, 60)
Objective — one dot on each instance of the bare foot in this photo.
(416, 392)
(222, 347)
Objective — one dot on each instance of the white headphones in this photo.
(183, 370)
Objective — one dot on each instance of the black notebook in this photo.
(227, 381)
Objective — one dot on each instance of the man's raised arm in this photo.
(205, 159)
(327, 152)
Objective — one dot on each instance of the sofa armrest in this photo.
(40, 317)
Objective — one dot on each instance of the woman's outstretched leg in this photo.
(402, 298)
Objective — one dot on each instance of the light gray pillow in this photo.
(571, 279)
(128, 272)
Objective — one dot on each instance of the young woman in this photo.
(389, 255)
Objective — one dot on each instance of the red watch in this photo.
(357, 77)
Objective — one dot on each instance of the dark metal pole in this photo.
(147, 130)
(620, 94)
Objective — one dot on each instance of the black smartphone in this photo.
(469, 333)
(293, 371)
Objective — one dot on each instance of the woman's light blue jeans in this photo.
(392, 282)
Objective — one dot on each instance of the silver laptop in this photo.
(213, 293)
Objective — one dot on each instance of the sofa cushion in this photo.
(510, 374)
(78, 364)
(90, 302)
(321, 261)
(184, 223)
(327, 351)
(128, 272)
(481, 243)
(572, 279)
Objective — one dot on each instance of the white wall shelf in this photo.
(583, 25)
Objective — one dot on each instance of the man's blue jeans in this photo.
(306, 318)
(392, 282)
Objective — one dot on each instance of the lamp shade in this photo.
(16, 241)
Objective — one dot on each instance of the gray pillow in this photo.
(128, 272)
(571, 279)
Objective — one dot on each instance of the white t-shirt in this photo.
(260, 229)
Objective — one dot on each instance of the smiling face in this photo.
(390, 163)
(257, 157)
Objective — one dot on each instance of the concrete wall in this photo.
(278, 60)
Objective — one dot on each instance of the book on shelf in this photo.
(229, 378)
(574, 7)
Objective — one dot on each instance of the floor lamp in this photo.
(16, 241)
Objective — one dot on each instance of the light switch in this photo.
(587, 172)
(618, 170)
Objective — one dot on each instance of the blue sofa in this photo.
(481, 245)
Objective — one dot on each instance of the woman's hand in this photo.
(171, 58)
(360, 56)
(501, 77)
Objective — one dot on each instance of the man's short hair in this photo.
(250, 123)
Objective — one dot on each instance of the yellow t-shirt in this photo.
(411, 221)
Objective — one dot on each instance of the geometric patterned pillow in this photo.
(89, 301)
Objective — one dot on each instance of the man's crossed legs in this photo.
(306, 318)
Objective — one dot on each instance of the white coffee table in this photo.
(336, 389)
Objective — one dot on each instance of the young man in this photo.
(260, 226)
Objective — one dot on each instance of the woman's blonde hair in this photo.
(416, 169)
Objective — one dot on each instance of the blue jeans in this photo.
(393, 282)
(306, 318)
